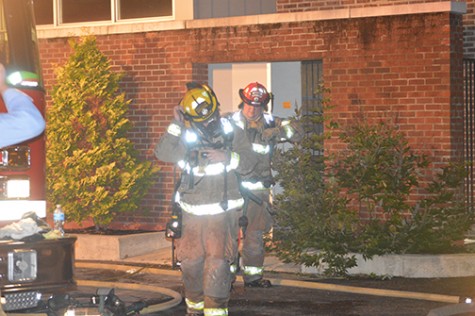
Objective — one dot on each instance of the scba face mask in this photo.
(212, 128)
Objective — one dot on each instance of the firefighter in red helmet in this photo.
(209, 150)
(263, 131)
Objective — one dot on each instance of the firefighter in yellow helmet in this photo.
(209, 150)
(263, 131)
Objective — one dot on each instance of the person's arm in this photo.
(23, 120)
(170, 148)
(284, 130)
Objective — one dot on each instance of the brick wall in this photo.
(398, 67)
(402, 74)
(284, 6)
(310, 5)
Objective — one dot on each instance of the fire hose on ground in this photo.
(175, 297)
(458, 304)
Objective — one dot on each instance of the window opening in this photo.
(44, 12)
(74, 11)
(52, 12)
(135, 9)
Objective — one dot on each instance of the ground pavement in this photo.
(294, 294)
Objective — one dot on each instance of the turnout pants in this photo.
(260, 223)
(204, 264)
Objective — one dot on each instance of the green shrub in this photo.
(92, 169)
(381, 175)
(312, 225)
(362, 199)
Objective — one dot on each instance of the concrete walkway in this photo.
(154, 249)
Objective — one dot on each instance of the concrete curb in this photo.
(412, 266)
(111, 247)
(153, 248)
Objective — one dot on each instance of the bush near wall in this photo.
(92, 169)
(319, 220)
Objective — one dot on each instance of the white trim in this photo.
(115, 7)
(11, 210)
(447, 6)
(146, 25)
(269, 78)
(56, 17)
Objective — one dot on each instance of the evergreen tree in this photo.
(92, 168)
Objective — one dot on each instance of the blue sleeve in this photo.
(22, 121)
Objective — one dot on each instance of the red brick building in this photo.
(392, 59)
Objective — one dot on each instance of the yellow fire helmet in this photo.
(199, 102)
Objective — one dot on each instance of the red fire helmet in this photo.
(255, 94)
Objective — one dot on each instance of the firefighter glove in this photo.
(270, 133)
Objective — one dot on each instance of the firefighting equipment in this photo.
(174, 225)
(263, 134)
(196, 164)
(204, 157)
(248, 196)
(255, 94)
(201, 252)
(258, 283)
(199, 103)
(104, 302)
(201, 110)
